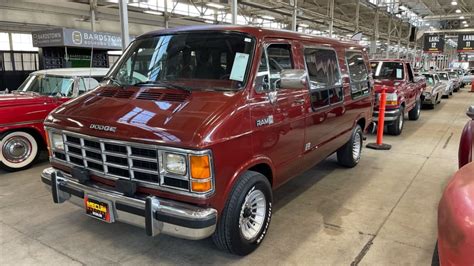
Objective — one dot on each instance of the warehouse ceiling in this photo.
(313, 15)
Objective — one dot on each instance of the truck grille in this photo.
(110, 158)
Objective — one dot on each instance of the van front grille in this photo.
(111, 158)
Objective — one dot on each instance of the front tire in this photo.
(349, 154)
(18, 151)
(414, 113)
(396, 127)
(246, 217)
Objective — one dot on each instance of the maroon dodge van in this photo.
(197, 125)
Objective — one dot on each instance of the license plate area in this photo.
(99, 208)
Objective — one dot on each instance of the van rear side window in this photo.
(325, 78)
(358, 73)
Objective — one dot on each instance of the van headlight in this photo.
(57, 142)
(175, 163)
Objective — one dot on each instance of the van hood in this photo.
(156, 115)
(11, 100)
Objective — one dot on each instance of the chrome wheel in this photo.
(16, 149)
(252, 214)
(418, 111)
(356, 147)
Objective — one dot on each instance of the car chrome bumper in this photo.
(390, 115)
(155, 215)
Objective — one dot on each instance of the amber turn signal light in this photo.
(201, 186)
(200, 167)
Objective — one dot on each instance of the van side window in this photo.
(358, 74)
(325, 78)
(279, 58)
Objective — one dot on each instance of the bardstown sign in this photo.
(76, 38)
(433, 43)
(466, 42)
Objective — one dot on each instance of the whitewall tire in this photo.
(18, 150)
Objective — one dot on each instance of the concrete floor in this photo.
(381, 212)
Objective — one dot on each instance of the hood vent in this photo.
(107, 93)
(123, 94)
(152, 95)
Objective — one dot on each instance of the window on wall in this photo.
(7, 62)
(22, 42)
(4, 41)
(325, 78)
(358, 74)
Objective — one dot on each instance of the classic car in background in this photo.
(22, 111)
(433, 91)
(444, 77)
(455, 244)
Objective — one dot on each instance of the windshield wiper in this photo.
(114, 80)
(163, 83)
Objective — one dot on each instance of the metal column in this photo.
(234, 11)
(399, 39)
(124, 23)
(166, 18)
(389, 35)
(295, 14)
(93, 6)
(331, 22)
(357, 17)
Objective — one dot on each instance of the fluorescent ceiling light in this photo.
(214, 5)
(209, 21)
(466, 25)
(464, 22)
(403, 8)
(454, 3)
(461, 17)
(458, 11)
(153, 12)
(267, 17)
(427, 24)
(304, 25)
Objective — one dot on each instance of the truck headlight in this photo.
(57, 142)
(392, 99)
(175, 163)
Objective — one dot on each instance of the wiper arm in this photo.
(163, 83)
(114, 80)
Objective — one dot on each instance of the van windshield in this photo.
(388, 70)
(196, 60)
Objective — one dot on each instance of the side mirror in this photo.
(293, 78)
(470, 112)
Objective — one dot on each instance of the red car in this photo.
(456, 209)
(22, 112)
(404, 92)
(198, 125)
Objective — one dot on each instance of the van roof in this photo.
(258, 32)
(73, 72)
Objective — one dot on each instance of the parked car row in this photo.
(193, 128)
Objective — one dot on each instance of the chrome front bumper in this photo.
(154, 214)
(390, 115)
